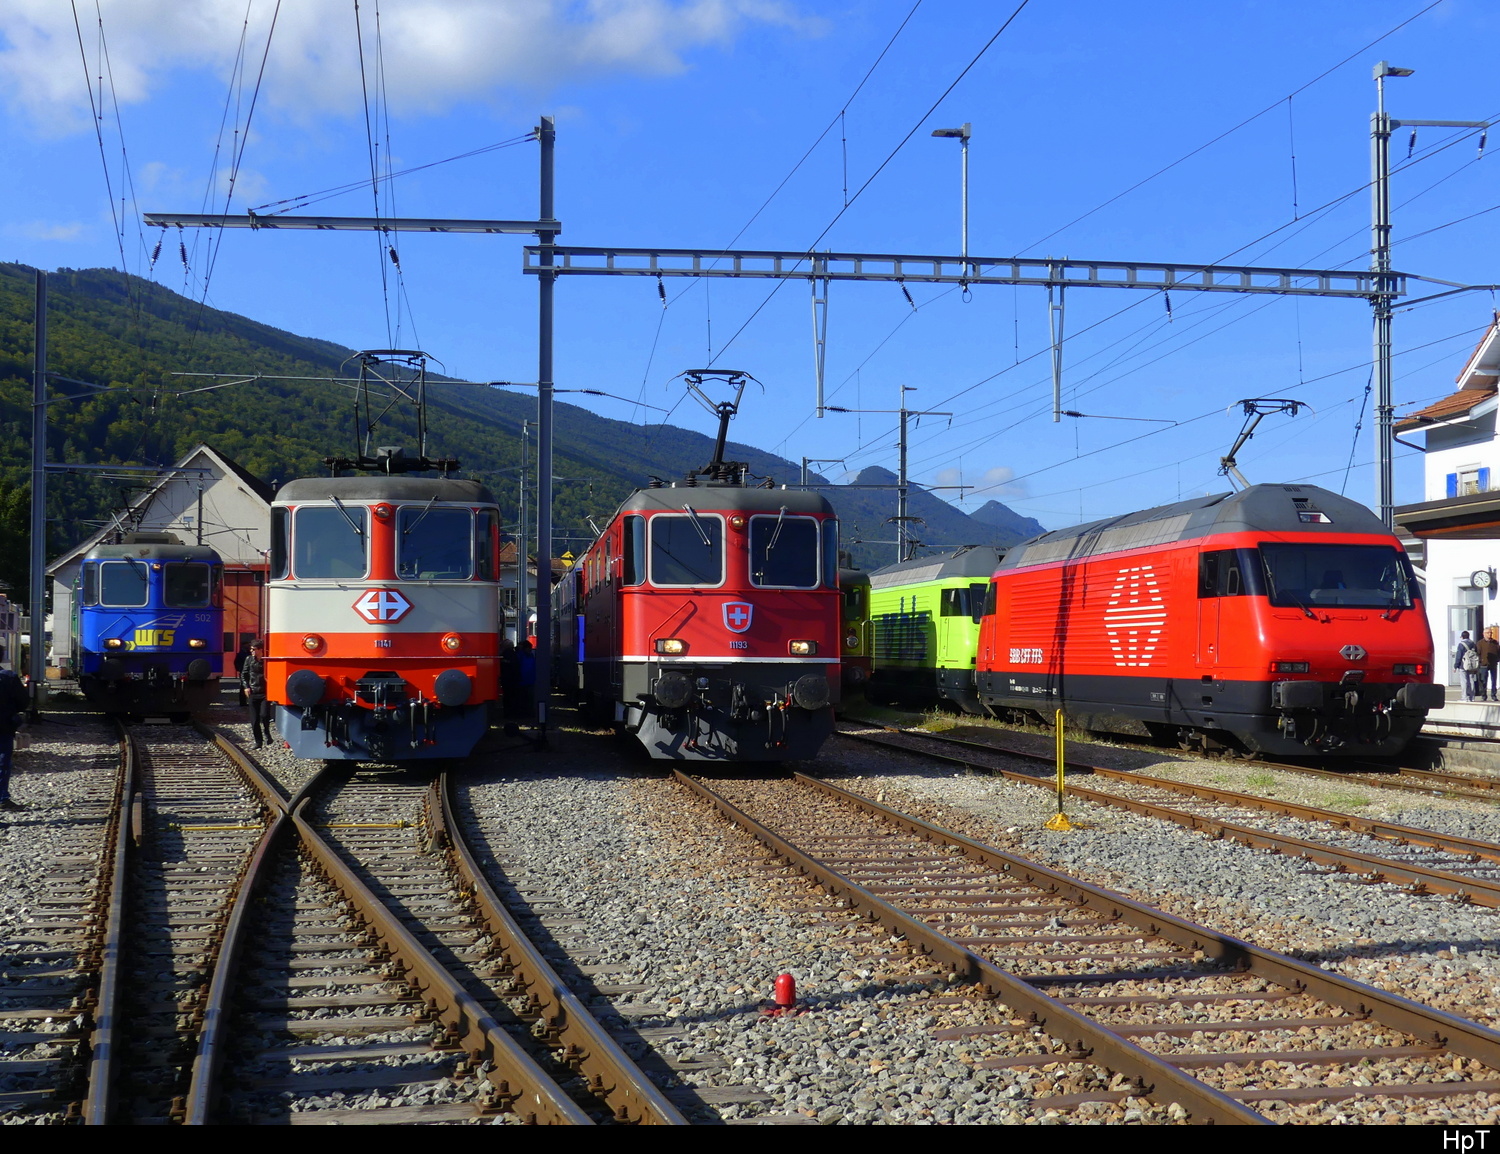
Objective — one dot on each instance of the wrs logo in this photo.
(737, 615)
(146, 638)
(1134, 617)
(381, 606)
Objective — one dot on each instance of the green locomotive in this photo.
(925, 616)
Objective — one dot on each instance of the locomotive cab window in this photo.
(188, 585)
(280, 518)
(122, 583)
(687, 549)
(1230, 573)
(330, 542)
(486, 536)
(433, 544)
(1356, 576)
(783, 551)
(91, 584)
(634, 551)
(955, 602)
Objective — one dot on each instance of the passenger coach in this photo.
(1283, 619)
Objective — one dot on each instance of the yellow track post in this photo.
(1059, 820)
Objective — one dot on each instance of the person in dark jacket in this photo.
(13, 702)
(253, 678)
(1489, 661)
(1466, 661)
(239, 670)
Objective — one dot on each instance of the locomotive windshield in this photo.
(687, 549)
(1356, 576)
(329, 542)
(433, 544)
(122, 583)
(784, 551)
(188, 586)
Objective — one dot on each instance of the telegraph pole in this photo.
(37, 664)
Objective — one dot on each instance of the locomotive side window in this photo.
(1230, 573)
(687, 549)
(484, 544)
(279, 525)
(991, 598)
(831, 553)
(91, 584)
(1357, 576)
(433, 544)
(635, 550)
(330, 543)
(122, 583)
(955, 602)
(784, 551)
(187, 586)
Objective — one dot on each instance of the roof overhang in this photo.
(1475, 517)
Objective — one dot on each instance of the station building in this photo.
(1459, 520)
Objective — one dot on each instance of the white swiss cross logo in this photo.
(381, 606)
(737, 615)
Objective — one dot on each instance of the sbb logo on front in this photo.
(381, 606)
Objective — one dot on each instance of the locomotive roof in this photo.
(153, 551)
(383, 488)
(720, 498)
(1260, 508)
(970, 561)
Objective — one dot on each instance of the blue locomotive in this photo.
(148, 626)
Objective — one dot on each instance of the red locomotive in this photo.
(706, 617)
(1282, 619)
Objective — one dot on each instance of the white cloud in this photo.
(436, 52)
(990, 483)
(45, 230)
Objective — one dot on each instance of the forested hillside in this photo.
(130, 335)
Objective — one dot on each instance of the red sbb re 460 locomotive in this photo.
(1283, 619)
(706, 620)
(383, 616)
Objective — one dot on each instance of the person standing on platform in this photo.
(13, 702)
(253, 678)
(1489, 660)
(1466, 661)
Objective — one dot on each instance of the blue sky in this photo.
(677, 119)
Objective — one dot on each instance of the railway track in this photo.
(1125, 1002)
(1424, 860)
(333, 958)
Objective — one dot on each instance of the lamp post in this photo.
(962, 136)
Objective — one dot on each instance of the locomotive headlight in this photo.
(384, 512)
(453, 642)
(852, 641)
(197, 643)
(114, 643)
(1415, 669)
(802, 648)
(737, 522)
(312, 643)
(1291, 667)
(671, 646)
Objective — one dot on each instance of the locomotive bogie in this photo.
(1280, 620)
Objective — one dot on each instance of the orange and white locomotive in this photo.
(383, 616)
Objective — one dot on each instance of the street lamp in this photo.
(961, 135)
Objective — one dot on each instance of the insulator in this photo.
(156, 252)
(907, 294)
(182, 251)
(1168, 298)
(1411, 144)
(661, 291)
(1482, 137)
(395, 260)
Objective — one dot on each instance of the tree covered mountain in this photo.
(130, 336)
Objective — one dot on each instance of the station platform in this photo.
(1461, 735)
